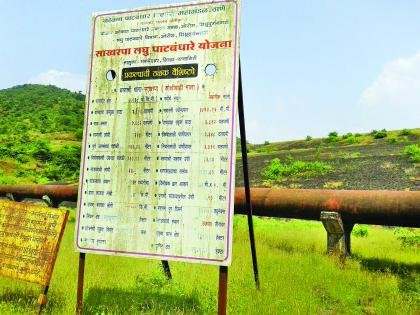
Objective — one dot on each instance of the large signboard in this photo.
(29, 240)
(157, 173)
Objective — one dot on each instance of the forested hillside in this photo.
(40, 109)
(40, 133)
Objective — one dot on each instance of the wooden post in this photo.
(223, 286)
(80, 282)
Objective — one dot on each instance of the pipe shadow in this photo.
(408, 274)
(137, 300)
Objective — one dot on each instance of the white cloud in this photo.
(66, 80)
(392, 100)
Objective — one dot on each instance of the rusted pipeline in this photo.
(398, 208)
(57, 192)
(381, 207)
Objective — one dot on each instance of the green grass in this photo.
(413, 151)
(277, 170)
(297, 277)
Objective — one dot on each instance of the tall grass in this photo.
(297, 277)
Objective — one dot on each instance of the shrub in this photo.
(64, 165)
(266, 142)
(347, 135)
(333, 137)
(5, 180)
(408, 238)
(360, 231)
(413, 152)
(40, 149)
(379, 134)
(79, 134)
(277, 170)
(352, 140)
(392, 140)
(406, 132)
(308, 138)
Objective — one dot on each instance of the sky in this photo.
(308, 67)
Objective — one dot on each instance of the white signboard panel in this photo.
(158, 165)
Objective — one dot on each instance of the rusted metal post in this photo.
(223, 288)
(166, 269)
(42, 299)
(80, 282)
(248, 205)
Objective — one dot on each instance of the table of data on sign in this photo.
(157, 175)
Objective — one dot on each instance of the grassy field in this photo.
(297, 277)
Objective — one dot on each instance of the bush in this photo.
(413, 152)
(408, 238)
(352, 140)
(308, 138)
(277, 170)
(5, 180)
(379, 134)
(392, 140)
(64, 165)
(79, 134)
(40, 149)
(347, 135)
(266, 142)
(406, 132)
(333, 137)
(360, 231)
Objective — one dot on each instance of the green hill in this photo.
(40, 109)
(40, 132)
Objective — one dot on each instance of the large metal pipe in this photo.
(382, 207)
(57, 192)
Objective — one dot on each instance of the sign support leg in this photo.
(42, 300)
(80, 281)
(246, 180)
(223, 286)
(166, 269)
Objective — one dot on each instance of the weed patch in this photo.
(277, 170)
(413, 152)
(333, 185)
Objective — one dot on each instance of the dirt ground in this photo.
(362, 167)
